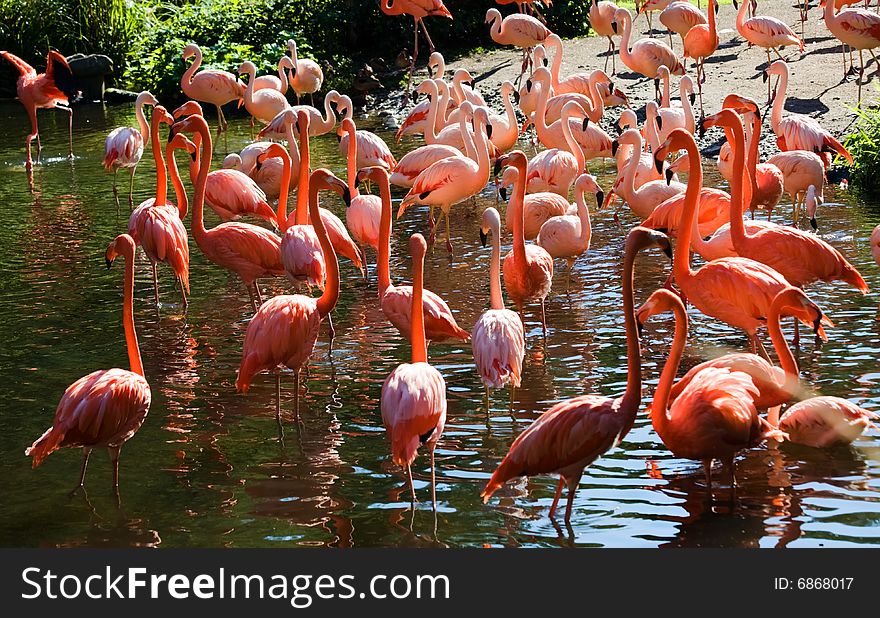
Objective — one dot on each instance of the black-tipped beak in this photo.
(498, 165)
(108, 261)
(735, 5)
(667, 250)
(814, 224)
(585, 124)
(657, 83)
(669, 175)
(516, 97)
(489, 131)
(259, 164)
(614, 26)
(484, 237)
(170, 133)
(194, 156)
(619, 129)
(346, 197)
(546, 62)
(600, 198)
(692, 97)
(614, 146)
(503, 193)
(716, 8)
(658, 164)
(765, 76)
(702, 130)
(659, 120)
(357, 181)
(817, 324)
(528, 85)
(334, 107)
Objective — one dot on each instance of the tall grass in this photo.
(864, 145)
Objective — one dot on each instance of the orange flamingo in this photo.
(858, 28)
(210, 85)
(518, 30)
(53, 89)
(306, 75)
(395, 299)
(736, 290)
(528, 270)
(601, 21)
(284, 329)
(413, 399)
(571, 435)
(124, 146)
(714, 415)
(157, 224)
(248, 250)
(646, 55)
(498, 338)
(700, 42)
(105, 408)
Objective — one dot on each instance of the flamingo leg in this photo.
(486, 387)
(433, 483)
(296, 396)
(278, 395)
(87, 451)
(797, 334)
(861, 73)
(411, 486)
(572, 490)
(512, 398)
(448, 240)
(35, 133)
(114, 460)
(115, 173)
(156, 282)
(69, 111)
(559, 487)
(183, 294)
(543, 319)
(251, 295)
(130, 185)
(707, 470)
(427, 36)
(257, 290)
(332, 331)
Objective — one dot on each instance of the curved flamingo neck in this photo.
(161, 172)
(684, 94)
(541, 127)
(741, 15)
(351, 163)
(737, 199)
(659, 414)
(583, 212)
(191, 69)
(467, 137)
(713, 31)
(458, 90)
(682, 260)
(666, 97)
(573, 145)
(302, 192)
(201, 183)
(417, 331)
(131, 342)
(595, 97)
(517, 200)
(327, 301)
(495, 26)
(383, 267)
(143, 127)
(481, 145)
(282, 76)
(284, 192)
(510, 112)
(496, 299)
(779, 101)
(625, 55)
(632, 397)
(774, 329)
(249, 90)
(433, 113)
(179, 191)
(651, 130)
(556, 65)
(194, 161)
(754, 139)
(632, 167)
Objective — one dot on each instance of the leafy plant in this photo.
(864, 145)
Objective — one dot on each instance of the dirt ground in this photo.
(816, 87)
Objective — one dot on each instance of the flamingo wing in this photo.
(413, 403)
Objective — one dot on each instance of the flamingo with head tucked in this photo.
(105, 408)
(571, 435)
(124, 146)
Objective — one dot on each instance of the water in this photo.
(207, 467)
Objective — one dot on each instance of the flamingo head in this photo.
(273, 150)
(122, 245)
(146, 98)
(793, 301)
(516, 159)
(375, 173)
(725, 118)
(492, 15)
(661, 301)
(588, 182)
(463, 76)
(323, 178)
(247, 68)
(160, 114)
(741, 104)
(813, 201)
(508, 179)
(678, 139)
(188, 109)
(182, 142)
(190, 50)
(491, 222)
(191, 124)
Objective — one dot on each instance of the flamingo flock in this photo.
(752, 274)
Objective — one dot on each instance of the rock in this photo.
(117, 95)
(90, 72)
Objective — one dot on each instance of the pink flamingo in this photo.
(518, 30)
(307, 77)
(713, 212)
(646, 55)
(602, 23)
(318, 124)
(858, 28)
(395, 299)
(767, 32)
(413, 399)
(280, 83)
(210, 85)
(105, 408)
(364, 211)
(371, 149)
(248, 250)
(768, 181)
(736, 290)
(568, 236)
(419, 9)
(801, 258)
(527, 6)
(800, 170)
(53, 89)
(679, 17)
(714, 415)
(700, 42)
(284, 329)
(157, 224)
(454, 179)
(124, 146)
(498, 339)
(875, 244)
(651, 6)
(264, 104)
(528, 270)
(268, 176)
(823, 422)
(537, 207)
(571, 435)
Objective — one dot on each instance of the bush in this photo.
(864, 145)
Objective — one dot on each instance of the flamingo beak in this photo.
(528, 85)
(503, 193)
(346, 197)
(765, 76)
(614, 26)
(600, 197)
(614, 146)
(109, 262)
(516, 97)
(489, 131)
(484, 237)
(659, 121)
(692, 98)
(814, 224)
(669, 175)
(499, 163)
(658, 164)
(585, 124)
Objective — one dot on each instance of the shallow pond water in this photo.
(208, 469)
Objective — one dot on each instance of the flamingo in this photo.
(736, 290)
(652, 6)
(875, 244)
(800, 169)
(528, 270)
(371, 149)
(518, 30)
(537, 207)
(646, 55)
(413, 399)
(284, 329)
(498, 338)
(661, 121)
(581, 83)
(823, 422)
(714, 415)
(568, 236)
(858, 28)
(248, 250)
(679, 17)
(157, 224)
(364, 211)
(801, 258)
(601, 21)
(454, 179)
(306, 76)
(419, 9)
(124, 146)
(463, 89)
(395, 299)
(318, 124)
(505, 128)
(210, 85)
(700, 42)
(53, 89)
(264, 104)
(451, 134)
(572, 434)
(268, 176)
(527, 6)
(280, 83)
(776, 386)
(713, 212)
(105, 408)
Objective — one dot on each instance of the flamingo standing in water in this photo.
(283, 331)
(800, 169)
(528, 269)
(571, 435)
(268, 176)
(371, 149)
(797, 131)
(537, 207)
(823, 422)
(210, 85)
(395, 299)
(601, 21)
(714, 415)
(364, 210)
(264, 104)
(105, 408)
(53, 89)
(568, 236)
(248, 250)
(413, 399)
(498, 338)
(157, 224)
(307, 77)
(518, 30)
(646, 55)
(124, 146)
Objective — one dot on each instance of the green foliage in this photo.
(864, 145)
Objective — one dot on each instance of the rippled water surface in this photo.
(207, 467)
